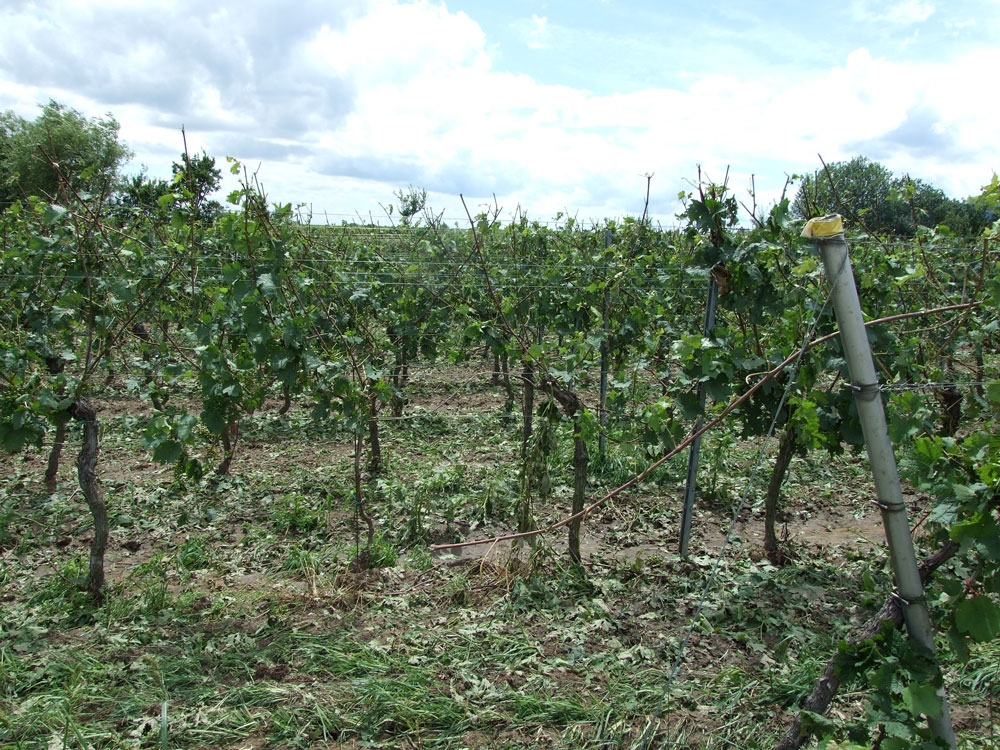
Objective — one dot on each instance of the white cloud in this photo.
(911, 39)
(899, 12)
(392, 41)
(538, 33)
(342, 108)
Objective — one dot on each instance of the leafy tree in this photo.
(919, 204)
(141, 193)
(412, 202)
(982, 211)
(198, 177)
(87, 152)
(863, 188)
(194, 180)
(868, 192)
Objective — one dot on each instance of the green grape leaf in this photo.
(53, 214)
(267, 285)
(958, 644)
(993, 393)
(214, 420)
(168, 452)
(978, 617)
(922, 699)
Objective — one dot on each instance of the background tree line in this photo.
(91, 157)
(869, 194)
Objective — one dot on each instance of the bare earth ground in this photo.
(258, 565)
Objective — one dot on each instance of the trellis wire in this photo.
(899, 387)
(647, 736)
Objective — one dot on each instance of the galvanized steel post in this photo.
(690, 486)
(829, 236)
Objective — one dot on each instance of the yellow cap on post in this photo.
(823, 226)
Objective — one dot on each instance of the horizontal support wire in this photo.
(899, 387)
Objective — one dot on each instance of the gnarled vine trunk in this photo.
(829, 681)
(573, 408)
(375, 445)
(400, 376)
(362, 560)
(530, 464)
(230, 436)
(86, 466)
(579, 489)
(52, 468)
(786, 449)
(527, 406)
(950, 399)
(286, 400)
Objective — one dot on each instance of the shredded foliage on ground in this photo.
(234, 610)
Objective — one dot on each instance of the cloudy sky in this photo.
(552, 106)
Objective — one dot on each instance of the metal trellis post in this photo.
(692, 472)
(602, 440)
(829, 236)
